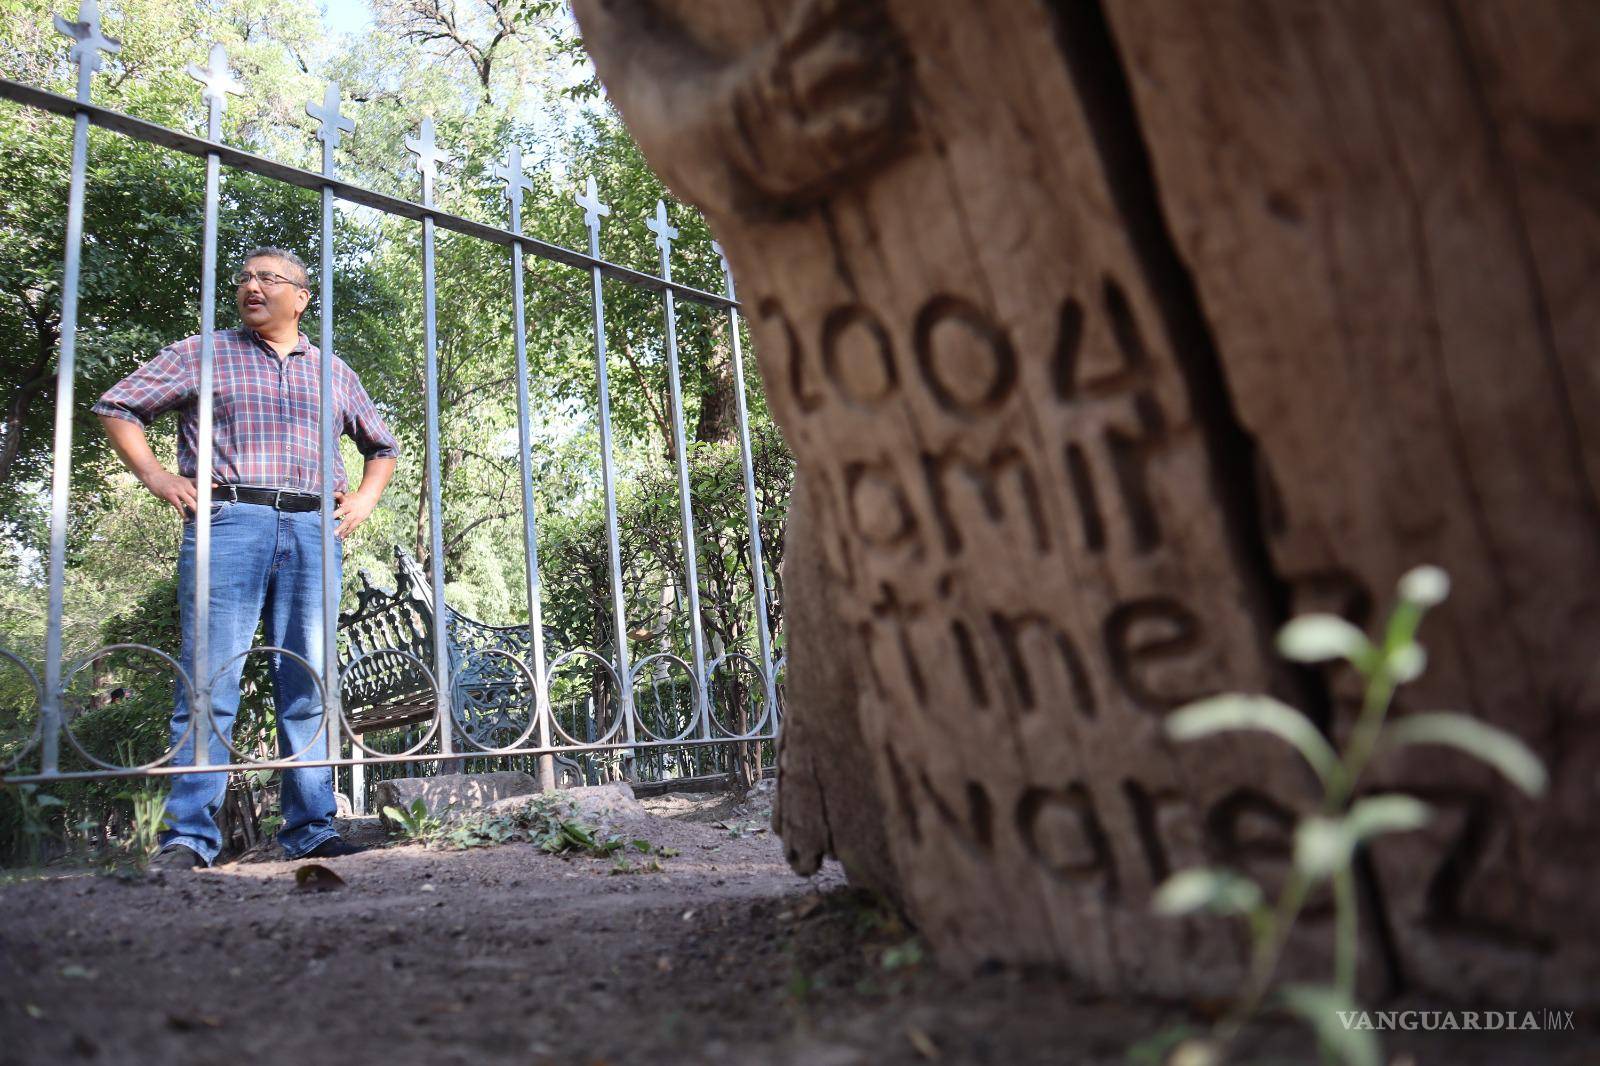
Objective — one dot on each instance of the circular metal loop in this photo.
(322, 692)
(533, 719)
(349, 728)
(719, 726)
(571, 656)
(38, 702)
(85, 660)
(638, 714)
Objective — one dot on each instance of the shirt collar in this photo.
(302, 344)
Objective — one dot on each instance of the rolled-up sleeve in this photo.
(165, 382)
(364, 425)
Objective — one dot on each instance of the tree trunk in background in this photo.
(1108, 336)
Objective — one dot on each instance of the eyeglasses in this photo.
(266, 277)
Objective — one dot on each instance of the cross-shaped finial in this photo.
(593, 209)
(665, 233)
(727, 272)
(429, 155)
(90, 42)
(216, 77)
(511, 173)
(333, 125)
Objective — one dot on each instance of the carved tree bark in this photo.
(1107, 337)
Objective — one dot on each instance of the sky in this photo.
(346, 16)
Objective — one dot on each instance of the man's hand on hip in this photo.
(173, 489)
(354, 508)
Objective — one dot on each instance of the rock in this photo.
(612, 802)
(450, 794)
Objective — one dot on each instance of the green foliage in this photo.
(149, 818)
(1326, 843)
(415, 822)
(550, 823)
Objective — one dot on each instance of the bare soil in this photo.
(509, 955)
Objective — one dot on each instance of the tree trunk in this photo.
(1107, 337)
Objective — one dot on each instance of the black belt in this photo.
(280, 499)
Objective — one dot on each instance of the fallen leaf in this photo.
(73, 970)
(185, 1023)
(314, 877)
(33, 1010)
(922, 1042)
(427, 886)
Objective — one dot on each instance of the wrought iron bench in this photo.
(491, 702)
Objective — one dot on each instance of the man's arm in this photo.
(127, 437)
(355, 507)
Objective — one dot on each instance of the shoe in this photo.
(176, 857)
(332, 848)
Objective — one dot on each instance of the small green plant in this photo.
(149, 818)
(415, 822)
(32, 808)
(1326, 843)
(549, 822)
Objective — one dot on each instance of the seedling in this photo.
(1326, 843)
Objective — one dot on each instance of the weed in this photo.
(1326, 843)
(548, 821)
(149, 818)
(415, 822)
(32, 806)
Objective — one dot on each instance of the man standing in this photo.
(265, 526)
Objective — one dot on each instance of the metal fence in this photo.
(631, 728)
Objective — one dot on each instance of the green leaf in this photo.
(44, 799)
(1407, 662)
(1501, 750)
(1317, 638)
(1425, 586)
(1322, 846)
(1389, 813)
(1226, 713)
(1218, 891)
(1321, 1008)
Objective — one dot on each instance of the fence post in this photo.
(511, 173)
(665, 234)
(593, 210)
(429, 156)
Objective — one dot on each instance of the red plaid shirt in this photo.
(264, 410)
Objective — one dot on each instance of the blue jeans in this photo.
(266, 566)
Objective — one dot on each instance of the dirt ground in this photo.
(508, 955)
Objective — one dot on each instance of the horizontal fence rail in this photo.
(474, 699)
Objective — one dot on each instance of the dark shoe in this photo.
(332, 848)
(176, 857)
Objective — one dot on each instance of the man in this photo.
(265, 527)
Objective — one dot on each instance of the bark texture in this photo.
(1109, 335)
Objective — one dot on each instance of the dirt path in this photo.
(508, 955)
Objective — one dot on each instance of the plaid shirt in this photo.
(264, 413)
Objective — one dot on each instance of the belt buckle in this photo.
(277, 500)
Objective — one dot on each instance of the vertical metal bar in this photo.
(593, 210)
(428, 157)
(758, 572)
(86, 53)
(516, 182)
(217, 85)
(665, 235)
(333, 127)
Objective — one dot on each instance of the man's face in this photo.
(267, 308)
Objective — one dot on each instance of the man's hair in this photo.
(270, 252)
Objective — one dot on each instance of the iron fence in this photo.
(732, 698)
